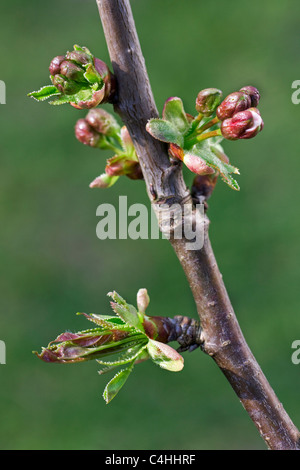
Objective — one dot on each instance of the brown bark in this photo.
(221, 335)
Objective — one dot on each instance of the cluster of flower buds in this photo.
(195, 141)
(238, 113)
(130, 337)
(78, 78)
(99, 129)
(239, 116)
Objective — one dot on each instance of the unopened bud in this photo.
(80, 79)
(72, 71)
(135, 172)
(119, 165)
(143, 300)
(253, 93)
(79, 57)
(107, 77)
(54, 67)
(243, 125)
(103, 181)
(127, 141)
(193, 162)
(233, 103)
(85, 345)
(203, 186)
(208, 100)
(103, 122)
(86, 134)
(197, 165)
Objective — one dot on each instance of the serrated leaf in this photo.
(164, 131)
(85, 94)
(44, 93)
(92, 76)
(173, 111)
(205, 151)
(165, 356)
(128, 356)
(127, 312)
(107, 369)
(83, 49)
(116, 383)
(108, 322)
(63, 99)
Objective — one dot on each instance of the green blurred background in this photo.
(53, 265)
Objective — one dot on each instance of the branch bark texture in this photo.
(221, 335)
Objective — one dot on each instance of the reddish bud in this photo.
(203, 186)
(127, 141)
(81, 58)
(193, 162)
(86, 134)
(103, 181)
(54, 67)
(197, 165)
(83, 346)
(118, 166)
(243, 125)
(253, 93)
(103, 122)
(233, 103)
(108, 78)
(79, 71)
(135, 172)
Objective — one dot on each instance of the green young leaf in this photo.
(83, 49)
(116, 383)
(92, 76)
(164, 131)
(165, 356)
(107, 322)
(107, 369)
(127, 356)
(127, 312)
(44, 93)
(206, 151)
(174, 112)
(85, 94)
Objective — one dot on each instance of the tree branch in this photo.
(222, 337)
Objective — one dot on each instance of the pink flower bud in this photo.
(86, 134)
(197, 165)
(102, 122)
(203, 186)
(193, 162)
(243, 125)
(54, 67)
(253, 93)
(233, 103)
